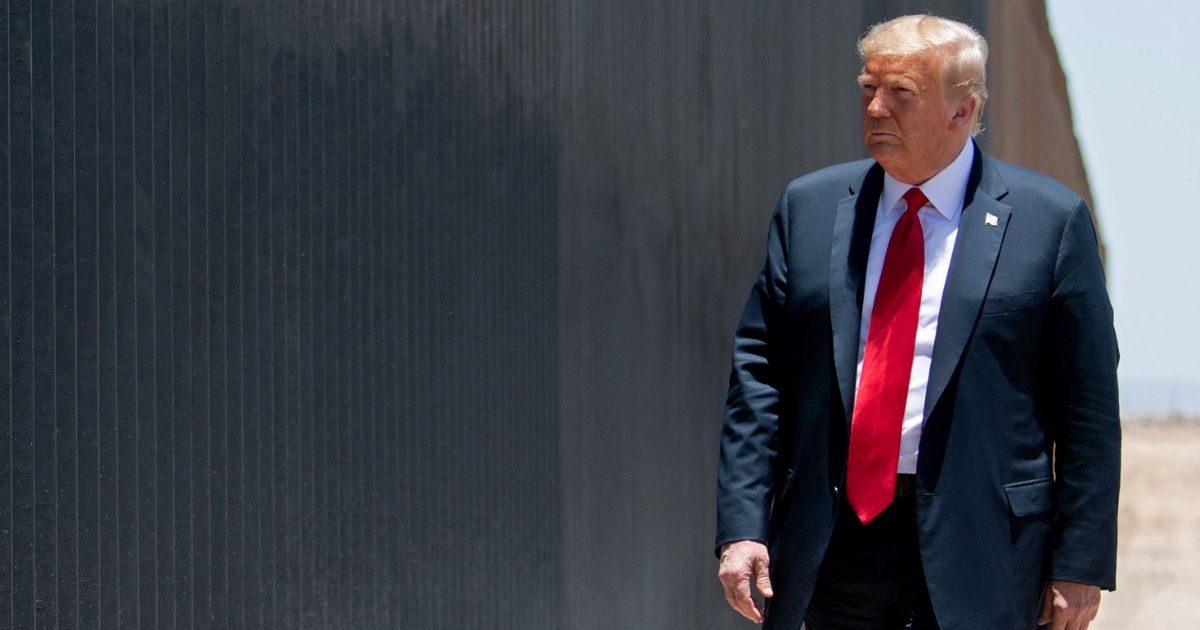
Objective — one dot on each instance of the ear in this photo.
(963, 113)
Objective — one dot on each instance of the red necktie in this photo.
(887, 368)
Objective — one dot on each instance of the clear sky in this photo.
(1135, 94)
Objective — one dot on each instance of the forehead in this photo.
(922, 68)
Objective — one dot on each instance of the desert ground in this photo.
(1158, 557)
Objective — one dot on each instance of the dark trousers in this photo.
(871, 577)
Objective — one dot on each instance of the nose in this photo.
(876, 108)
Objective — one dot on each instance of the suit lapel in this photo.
(847, 271)
(976, 250)
(981, 232)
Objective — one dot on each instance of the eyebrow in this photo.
(898, 80)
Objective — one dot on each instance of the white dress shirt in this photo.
(939, 220)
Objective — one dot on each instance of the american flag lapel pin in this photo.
(991, 219)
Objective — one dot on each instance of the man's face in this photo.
(911, 126)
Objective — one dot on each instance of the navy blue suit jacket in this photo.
(1019, 461)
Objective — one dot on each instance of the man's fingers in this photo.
(732, 594)
(1058, 615)
(1061, 618)
(741, 562)
(1047, 607)
(762, 576)
(739, 598)
(737, 592)
(1072, 605)
(745, 602)
(753, 609)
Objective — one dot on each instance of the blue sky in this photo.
(1136, 102)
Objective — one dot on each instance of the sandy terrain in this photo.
(1158, 561)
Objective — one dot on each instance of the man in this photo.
(922, 427)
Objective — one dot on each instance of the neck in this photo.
(925, 172)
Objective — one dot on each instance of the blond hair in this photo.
(963, 52)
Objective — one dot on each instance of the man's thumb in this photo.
(762, 576)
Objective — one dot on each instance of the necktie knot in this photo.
(915, 200)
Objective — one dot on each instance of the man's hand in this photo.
(740, 562)
(1068, 605)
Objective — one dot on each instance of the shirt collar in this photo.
(945, 191)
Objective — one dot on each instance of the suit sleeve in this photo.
(1087, 429)
(748, 444)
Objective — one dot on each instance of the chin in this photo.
(883, 153)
